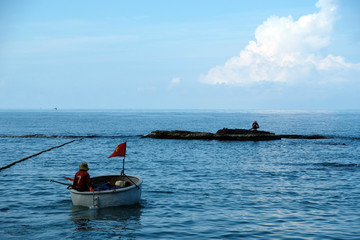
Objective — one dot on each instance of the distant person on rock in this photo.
(255, 125)
(82, 181)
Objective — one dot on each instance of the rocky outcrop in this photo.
(176, 134)
(244, 135)
(225, 134)
(293, 136)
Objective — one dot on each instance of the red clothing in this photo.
(82, 181)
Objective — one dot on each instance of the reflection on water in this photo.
(122, 220)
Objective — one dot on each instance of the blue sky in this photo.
(206, 54)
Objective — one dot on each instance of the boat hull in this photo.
(109, 198)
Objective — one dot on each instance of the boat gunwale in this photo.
(119, 190)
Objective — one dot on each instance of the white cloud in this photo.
(174, 82)
(284, 50)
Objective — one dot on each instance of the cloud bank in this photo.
(286, 51)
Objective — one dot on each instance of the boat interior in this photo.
(126, 180)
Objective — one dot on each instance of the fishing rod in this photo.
(60, 182)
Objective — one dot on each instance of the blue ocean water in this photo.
(192, 189)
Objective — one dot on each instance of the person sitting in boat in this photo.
(255, 125)
(82, 181)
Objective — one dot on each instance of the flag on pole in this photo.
(119, 151)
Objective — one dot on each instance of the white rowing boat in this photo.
(109, 198)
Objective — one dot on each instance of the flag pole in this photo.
(120, 151)
(123, 168)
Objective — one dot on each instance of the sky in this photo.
(182, 54)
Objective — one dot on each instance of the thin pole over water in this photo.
(36, 154)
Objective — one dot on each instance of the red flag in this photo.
(119, 151)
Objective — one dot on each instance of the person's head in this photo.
(84, 166)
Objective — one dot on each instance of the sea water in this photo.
(192, 189)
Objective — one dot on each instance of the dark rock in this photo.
(245, 135)
(223, 134)
(176, 134)
(227, 134)
(293, 136)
